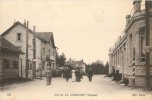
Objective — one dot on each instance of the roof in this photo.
(5, 44)
(43, 36)
(76, 62)
(46, 36)
(16, 23)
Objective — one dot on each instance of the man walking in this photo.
(48, 75)
(67, 74)
(78, 74)
(90, 74)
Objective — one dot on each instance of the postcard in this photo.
(75, 49)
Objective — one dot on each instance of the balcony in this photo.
(50, 58)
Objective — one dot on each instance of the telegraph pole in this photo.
(34, 53)
(27, 39)
(147, 30)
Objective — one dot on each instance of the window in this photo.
(142, 43)
(44, 51)
(30, 66)
(130, 49)
(18, 36)
(16, 64)
(50, 64)
(53, 65)
(6, 63)
(134, 53)
(54, 54)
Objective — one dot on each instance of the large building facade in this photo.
(128, 55)
(39, 49)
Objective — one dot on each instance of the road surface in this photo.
(101, 88)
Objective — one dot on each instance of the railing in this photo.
(132, 10)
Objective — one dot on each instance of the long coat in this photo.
(67, 73)
(48, 74)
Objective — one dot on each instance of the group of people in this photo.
(75, 74)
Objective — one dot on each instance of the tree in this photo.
(60, 59)
(107, 68)
(98, 67)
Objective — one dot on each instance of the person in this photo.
(90, 74)
(117, 76)
(82, 73)
(73, 75)
(48, 75)
(40, 69)
(67, 74)
(113, 72)
(78, 75)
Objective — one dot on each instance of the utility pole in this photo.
(147, 30)
(34, 53)
(27, 65)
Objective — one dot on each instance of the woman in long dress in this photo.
(73, 75)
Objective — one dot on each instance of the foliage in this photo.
(107, 68)
(98, 67)
(60, 59)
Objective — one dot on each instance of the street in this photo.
(101, 87)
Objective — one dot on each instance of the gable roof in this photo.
(43, 36)
(46, 36)
(15, 24)
(5, 44)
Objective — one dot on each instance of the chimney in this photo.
(137, 5)
(128, 19)
(24, 22)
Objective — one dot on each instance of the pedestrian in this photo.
(117, 76)
(67, 74)
(78, 75)
(48, 75)
(40, 70)
(82, 73)
(73, 75)
(90, 74)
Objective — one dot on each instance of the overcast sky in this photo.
(83, 29)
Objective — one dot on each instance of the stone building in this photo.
(128, 51)
(9, 60)
(44, 49)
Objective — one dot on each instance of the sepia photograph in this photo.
(76, 49)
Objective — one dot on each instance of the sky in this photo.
(82, 29)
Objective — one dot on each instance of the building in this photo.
(128, 55)
(9, 60)
(77, 64)
(39, 48)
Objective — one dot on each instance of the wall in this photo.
(11, 36)
(11, 72)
